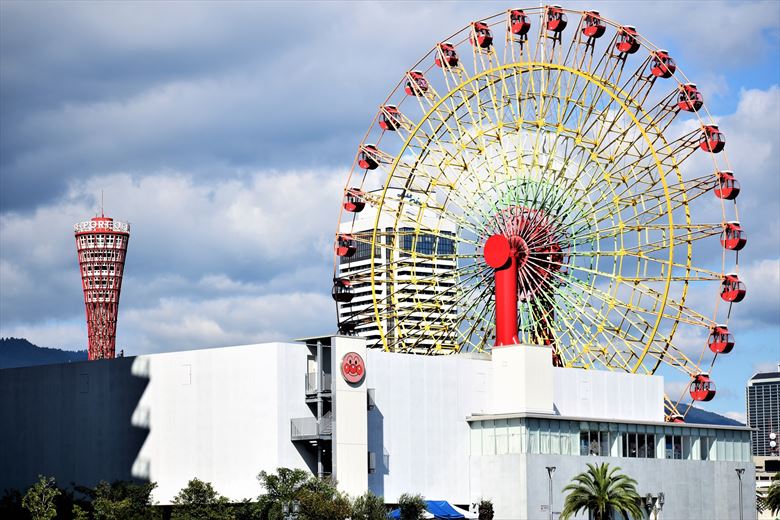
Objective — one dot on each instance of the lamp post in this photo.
(290, 510)
(550, 471)
(655, 503)
(740, 471)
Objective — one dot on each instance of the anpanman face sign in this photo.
(353, 368)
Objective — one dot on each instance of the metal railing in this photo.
(310, 428)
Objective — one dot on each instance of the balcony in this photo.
(311, 383)
(309, 429)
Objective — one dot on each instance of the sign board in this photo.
(353, 368)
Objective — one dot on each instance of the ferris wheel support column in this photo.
(499, 256)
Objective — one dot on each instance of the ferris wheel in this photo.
(565, 150)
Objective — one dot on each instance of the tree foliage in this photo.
(601, 491)
(280, 488)
(485, 510)
(412, 506)
(198, 500)
(40, 497)
(368, 506)
(123, 501)
(772, 499)
(316, 499)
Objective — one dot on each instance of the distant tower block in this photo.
(102, 244)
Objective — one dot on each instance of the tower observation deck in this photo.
(101, 244)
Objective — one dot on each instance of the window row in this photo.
(563, 437)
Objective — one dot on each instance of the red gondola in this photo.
(721, 341)
(368, 158)
(556, 18)
(416, 84)
(733, 237)
(481, 35)
(354, 201)
(662, 65)
(446, 55)
(594, 27)
(389, 118)
(626, 40)
(732, 289)
(689, 98)
(345, 246)
(518, 22)
(727, 186)
(702, 388)
(342, 290)
(712, 140)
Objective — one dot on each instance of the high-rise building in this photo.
(404, 284)
(763, 411)
(101, 244)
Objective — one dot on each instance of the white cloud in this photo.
(737, 416)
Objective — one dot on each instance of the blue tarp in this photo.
(438, 508)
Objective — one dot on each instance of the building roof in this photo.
(766, 375)
(490, 417)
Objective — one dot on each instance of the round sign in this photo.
(353, 368)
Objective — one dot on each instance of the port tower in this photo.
(101, 244)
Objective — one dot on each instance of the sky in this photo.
(224, 134)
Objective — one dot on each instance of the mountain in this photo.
(18, 352)
(699, 416)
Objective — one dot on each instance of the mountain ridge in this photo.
(19, 352)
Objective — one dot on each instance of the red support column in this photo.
(499, 256)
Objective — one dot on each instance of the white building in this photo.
(417, 293)
(457, 428)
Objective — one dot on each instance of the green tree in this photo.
(772, 499)
(199, 500)
(123, 501)
(40, 497)
(78, 513)
(412, 506)
(485, 510)
(368, 506)
(319, 500)
(280, 488)
(601, 491)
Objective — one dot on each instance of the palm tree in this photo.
(772, 499)
(601, 491)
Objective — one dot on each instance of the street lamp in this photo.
(740, 471)
(290, 510)
(655, 503)
(550, 471)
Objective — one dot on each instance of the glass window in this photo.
(502, 440)
(476, 438)
(515, 433)
(533, 436)
(584, 442)
(704, 448)
(604, 444)
(544, 431)
(650, 445)
(488, 438)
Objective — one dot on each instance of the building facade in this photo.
(459, 428)
(763, 411)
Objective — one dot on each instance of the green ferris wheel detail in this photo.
(597, 160)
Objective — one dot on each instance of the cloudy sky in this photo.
(224, 133)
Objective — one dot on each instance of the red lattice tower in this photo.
(102, 244)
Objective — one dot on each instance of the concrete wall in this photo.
(418, 428)
(614, 396)
(221, 415)
(518, 484)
